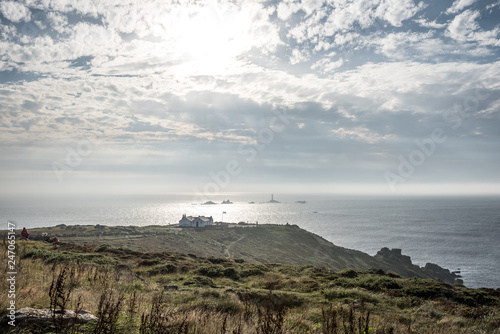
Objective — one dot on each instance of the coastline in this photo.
(266, 243)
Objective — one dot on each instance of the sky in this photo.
(210, 97)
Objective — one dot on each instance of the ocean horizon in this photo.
(459, 233)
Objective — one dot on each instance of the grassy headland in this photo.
(148, 291)
(286, 244)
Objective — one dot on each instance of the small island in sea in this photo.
(227, 202)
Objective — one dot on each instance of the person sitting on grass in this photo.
(24, 233)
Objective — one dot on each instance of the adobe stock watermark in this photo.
(425, 148)
(11, 273)
(75, 155)
(222, 178)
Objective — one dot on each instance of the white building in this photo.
(200, 221)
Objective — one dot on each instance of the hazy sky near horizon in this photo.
(382, 96)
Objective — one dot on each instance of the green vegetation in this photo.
(287, 244)
(146, 292)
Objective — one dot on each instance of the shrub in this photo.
(231, 273)
(423, 291)
(147, 263)
(102, 248)
(379, 283)
(215, 260)
(212, 270)
(251, 272)
(164, 269)
(199, 281)
(349, 273)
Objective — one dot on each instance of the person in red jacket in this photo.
(24, 233)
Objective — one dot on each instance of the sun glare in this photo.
(211, 39)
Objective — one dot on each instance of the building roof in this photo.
(203, 218)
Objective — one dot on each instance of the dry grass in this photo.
(134, 292)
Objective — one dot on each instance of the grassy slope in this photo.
(190, 294)
(265, 244)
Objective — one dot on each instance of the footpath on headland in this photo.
(265, 243)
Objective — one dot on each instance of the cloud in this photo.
(357, 82)
(465, 28)
(458, 5)
(423, 22)
(58, 22)
(463, 25)
(299, 56)
(15, 11)
(396, 11)
(325, 65)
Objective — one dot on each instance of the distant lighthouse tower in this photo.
(272, 199)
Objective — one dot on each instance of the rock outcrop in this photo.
(41, 319)
(443, 274)
(402, 265)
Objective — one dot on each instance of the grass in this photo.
(266, 244)
(132, 291)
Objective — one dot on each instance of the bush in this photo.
(215, 260)
(164, 269)
(102, 248)
(212, 270)
(199, 281)
(251, 272)
(340, 293)
(231, 273)
(425, 291)
(147, 263)
(379, 283)
(349, 273)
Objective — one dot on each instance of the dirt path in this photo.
(227, 252)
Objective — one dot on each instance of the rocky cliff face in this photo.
(402, 265)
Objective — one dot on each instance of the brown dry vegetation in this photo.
(145, 292)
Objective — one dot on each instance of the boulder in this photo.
(40, 319)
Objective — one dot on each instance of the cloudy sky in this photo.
(376, 96)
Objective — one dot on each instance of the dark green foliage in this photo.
(163, 269)
(349, 273)
(199, 281)
(102, 248)
(211, 270)
(231, 273)
(68, 257)
(379, 283)
(217, 260)
(147, 263)
(425, 291)
(251, 272)
(218, 271)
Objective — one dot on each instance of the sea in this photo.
(456, 232)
